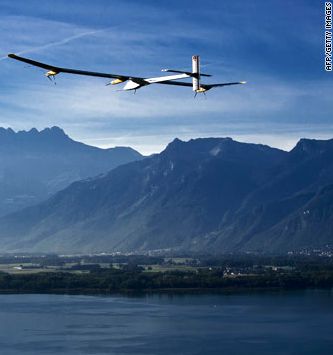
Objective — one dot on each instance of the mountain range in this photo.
(36, 164)
(211, 195)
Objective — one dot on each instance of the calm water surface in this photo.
(269, 323)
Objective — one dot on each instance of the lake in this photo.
(257, 323)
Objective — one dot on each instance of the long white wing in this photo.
(122, 78)
(161, 79)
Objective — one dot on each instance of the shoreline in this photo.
(165, 291)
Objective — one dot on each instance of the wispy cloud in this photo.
(57, 43)
(86, 98)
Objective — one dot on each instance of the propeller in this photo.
(52, 79)
(51, 76)
(201, 90)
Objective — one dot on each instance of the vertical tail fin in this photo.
(196, 72)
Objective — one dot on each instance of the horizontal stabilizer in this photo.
(210, 86)
(183, 72)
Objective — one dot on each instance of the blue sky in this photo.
(277, 46)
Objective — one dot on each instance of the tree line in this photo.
(134, 279)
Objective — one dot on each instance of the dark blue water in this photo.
(269, 323)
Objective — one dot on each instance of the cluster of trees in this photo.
(248, 260)
(134, 279)
(55, 260)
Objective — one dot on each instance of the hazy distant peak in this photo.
(6, 131)
(312, 146)
(214, 147)
(36, 163)
(54, 130)
(305, 144)
(55, 139)
(197, 142)
(175, 142)
(34, 131)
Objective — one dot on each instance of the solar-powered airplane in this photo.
(133, 82)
